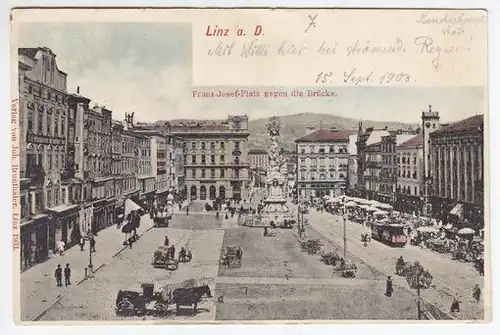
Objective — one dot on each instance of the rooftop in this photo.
(257, 152)
(325, 135)
(415, 142)
(475, 122)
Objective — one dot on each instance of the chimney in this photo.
(78, 90)
(310, 130)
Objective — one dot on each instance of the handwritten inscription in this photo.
(430, 47)
(354, 77)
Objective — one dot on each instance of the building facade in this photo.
(178, 178)
(216, 158)
(322, 163)
(410, 182)
(457, 163)
(116, 167)
(366, 138)
(145, 177)
(352, 170)
(259, 163)
(372, 169)
(43, 138)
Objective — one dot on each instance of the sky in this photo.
(146, 68)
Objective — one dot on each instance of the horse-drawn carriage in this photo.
(162, 259)
(330, 258)
(348, 269)
(311, 246)
(232, 256)
(149, 302)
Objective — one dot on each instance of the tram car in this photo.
(394, 235)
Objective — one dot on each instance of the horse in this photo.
(190, 296)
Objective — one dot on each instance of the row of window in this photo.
(212, 173)
(320, 176)
(47, 94)
(222, 159)
(212, 145)
(322, 149)
(48, 124)
(48, 162)
(333, 161)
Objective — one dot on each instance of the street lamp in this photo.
(344, 222)
(90, 274)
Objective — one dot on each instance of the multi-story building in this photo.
(129, 165)
(410, 184)
(430, 123)
(457, 166)
(43, 130)
(97, 166)
(157, 159)
(216, 157)
(259, 163)
(117, 166)
(322, 159)
(372, 169)
(366, 138)
(145, 177)
(388, 174)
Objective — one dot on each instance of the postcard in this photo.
(250, 165)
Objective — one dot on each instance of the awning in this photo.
(62, 208)
(457, 210)
(130, 206)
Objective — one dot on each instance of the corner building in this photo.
(215, 157)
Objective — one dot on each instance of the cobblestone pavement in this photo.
(451, 278)
(95, 299)
(38, 285)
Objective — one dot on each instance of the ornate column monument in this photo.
(276, 210)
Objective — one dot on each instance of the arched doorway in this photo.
(222, 192)
(212, 192)
(203, 193)
(193, 193)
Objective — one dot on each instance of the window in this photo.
(203, 159)
(302, 150)
(30, 121)
(193, 173)
(212, 159)
(222, 158)
(49, 159)
(56, 125)
(302, 162)
(322, 150)
(236, 145)
(222, 172)
(222, 145)
(203, 145)
(193, 145)
(313, 162)
(193, 159)
(49, 96)
(302, 175)
(212, 173)
(212, 145)
(40, 123)
(203, 173)
(322, 161)
(30, 89)
(49, 121)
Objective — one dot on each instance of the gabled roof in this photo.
(325, 135)
(475, 122)
(416, 142)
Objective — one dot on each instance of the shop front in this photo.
(109, 212)
(98, 217)
(147, 200)
(63, 225)
(34, 241)
(161, 197)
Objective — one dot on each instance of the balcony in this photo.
(236, 152)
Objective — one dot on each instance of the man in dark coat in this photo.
(92, 244)
(67, 275)
(388, 287)
(172, 252)
(166, 242)
(58, 275)
(187, 210)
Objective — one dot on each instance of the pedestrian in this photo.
(166, 242)
(60, 247)
(455, 306)
(476, 293)
(58, 275)
(180, 206)
(82, 243)
(217, 215)
(226, 217)
(130, 242)
(187, 210)
(172, 252)
(92, 244)
(388, 287)
(67, 275)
